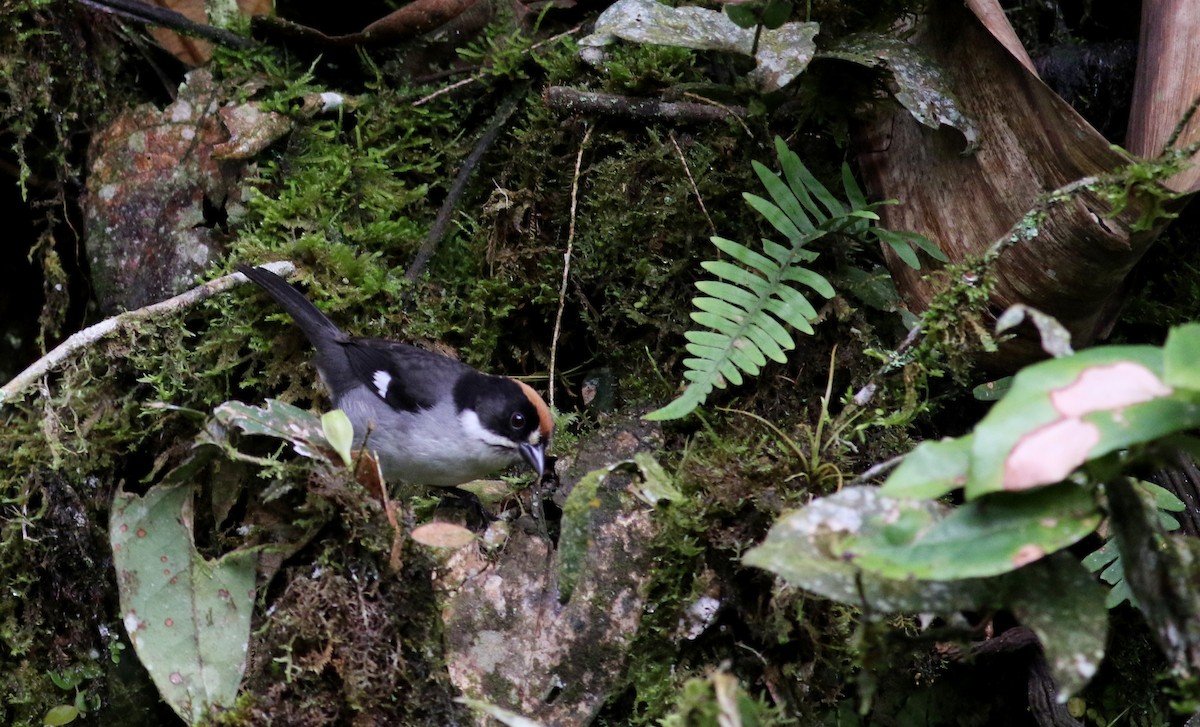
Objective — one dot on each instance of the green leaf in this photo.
(791, 255)
(717, 323)
(784, 197)
(188, 617)
(992, 390)
(60, 715)
(1161, 569)
(280, 420)
(590, 504)
(745, 255)
(800, 549)
(778, 219)
(724, 291)
(1106, 560)
(1181, 357)
(693, 396)
(854, 193)
(656, 485)
(339, 432)
(931, 470)
(1164, 499)
(744, 15)
(776, 13)
(1038, 434)
(765, 341)
(792, 308)
(986, 537)
(899, 246)
(929, 246)
(1055, 596)
(812, 279)
(740, 276)
(1056, 339)
(805, 186)
(1061, 602)
(729, 311)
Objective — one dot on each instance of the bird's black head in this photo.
(512, 415)
(504, 407)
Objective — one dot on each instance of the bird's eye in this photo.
(517, 421)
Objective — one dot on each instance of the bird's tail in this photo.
(316, 325)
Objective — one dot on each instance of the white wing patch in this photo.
(381, 380)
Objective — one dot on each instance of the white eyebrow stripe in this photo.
(381, 380)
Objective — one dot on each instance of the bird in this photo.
(430, 419)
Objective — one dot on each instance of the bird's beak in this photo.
(535, 455)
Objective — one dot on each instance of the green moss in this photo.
(640, 69)
(720, 698)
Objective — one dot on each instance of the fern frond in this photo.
(746, 311)
(747, 308)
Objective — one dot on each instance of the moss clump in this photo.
(350, 641)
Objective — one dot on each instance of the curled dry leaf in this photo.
(193, 51)
(410, 21)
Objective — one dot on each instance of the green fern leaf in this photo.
(806, 187)
(787, 200)
(901, 247)
(753, 298)
(745, 311)
(776, 216)
(854, 193)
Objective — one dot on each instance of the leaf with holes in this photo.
(305, 431)
(188, 617)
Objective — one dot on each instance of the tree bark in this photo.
(1168, 84)
(1032, 142)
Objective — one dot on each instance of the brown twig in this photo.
(442, 221)
(736, 111)
(574, 101)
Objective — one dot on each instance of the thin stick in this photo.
(695, 189)
(459, 186)
(1179, 127)
(878, 469)
(477, 76)
(90, 335)
(562, 291)
(447, 89)
(737, 112)
(574, 101)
